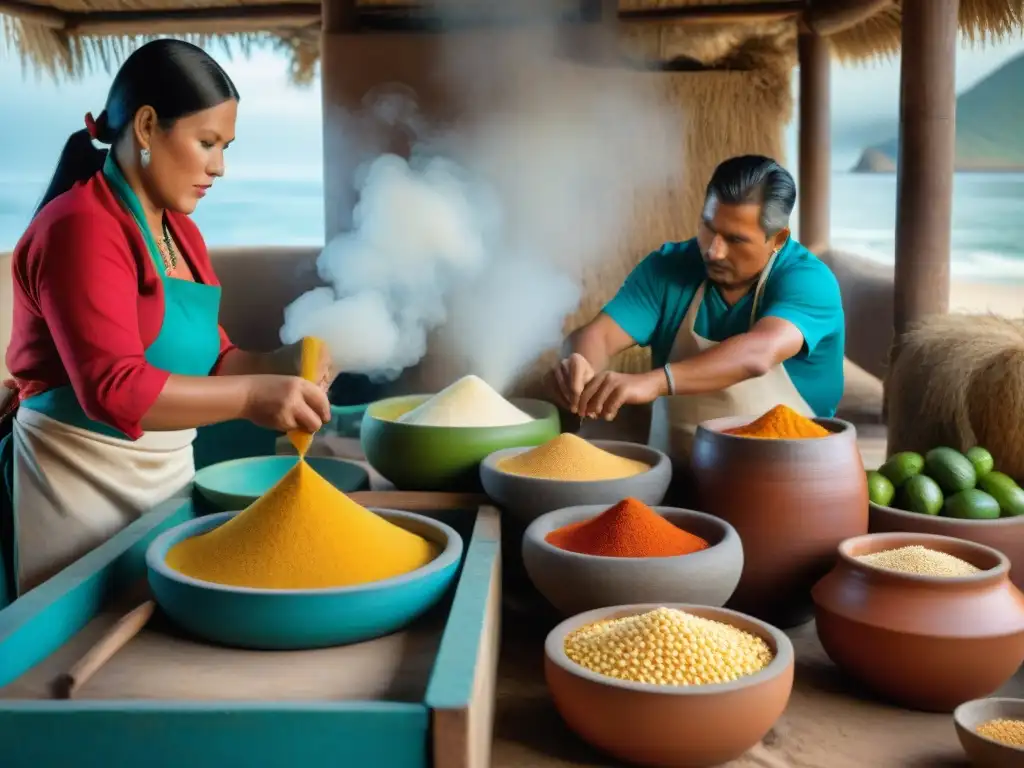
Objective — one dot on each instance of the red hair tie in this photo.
(90, 126)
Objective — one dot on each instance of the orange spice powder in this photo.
(780, 423)
(628, 529)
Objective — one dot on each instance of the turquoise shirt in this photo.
(653, 301)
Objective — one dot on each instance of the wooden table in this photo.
(830, 721)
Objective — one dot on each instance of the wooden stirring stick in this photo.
(311, 350)
(128, 626)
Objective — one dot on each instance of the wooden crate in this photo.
(417, 698)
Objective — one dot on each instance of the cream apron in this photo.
(674, 419)
(75, 488)
(78, 482)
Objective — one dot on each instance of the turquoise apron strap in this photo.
(128, 197)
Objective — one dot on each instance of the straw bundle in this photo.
(959, 381)
(65, 51)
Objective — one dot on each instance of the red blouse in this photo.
(88, 301)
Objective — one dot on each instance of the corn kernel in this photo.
(920, 561)
(1009, 732)
(667, 646)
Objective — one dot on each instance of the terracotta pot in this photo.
(792, 502)
(924, 642)
(1005, 534)
(695, 726)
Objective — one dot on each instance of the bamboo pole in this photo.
(927, 138)
(815, 141)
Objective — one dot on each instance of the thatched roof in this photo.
(70, 37)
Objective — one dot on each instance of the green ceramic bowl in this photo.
(418, 458)
(234, 485)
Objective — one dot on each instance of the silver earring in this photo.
(144, 156)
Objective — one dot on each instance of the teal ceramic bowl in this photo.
(346, 420)
(234, 485)
(418, 458)
(294, 619)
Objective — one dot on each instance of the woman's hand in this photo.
(284, 403)
(608, 391)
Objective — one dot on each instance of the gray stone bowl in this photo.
(981, 750)
(526, 498)
(574, 583)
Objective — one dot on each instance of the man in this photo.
(739, 319)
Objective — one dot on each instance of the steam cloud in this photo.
(479, 242)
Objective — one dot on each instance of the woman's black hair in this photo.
(173, 77)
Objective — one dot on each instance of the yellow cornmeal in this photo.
(568, 457)
(667, 647)
(1009, 732)
(920, 561)
(302, 534)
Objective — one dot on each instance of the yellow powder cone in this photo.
(568, 457)
(311, 349)
(302, 534)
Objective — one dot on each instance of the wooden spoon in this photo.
(66, 684)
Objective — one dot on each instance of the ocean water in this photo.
(274, 209)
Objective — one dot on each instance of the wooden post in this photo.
(815, 141)
(924, 187)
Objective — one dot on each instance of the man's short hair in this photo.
(755, 179)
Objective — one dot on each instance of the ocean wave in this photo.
(971, 264)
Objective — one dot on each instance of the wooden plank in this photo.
(462, 690)
(41, 621)
(418, 501)
(214, 735)
(34, 14)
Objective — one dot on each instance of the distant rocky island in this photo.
(989, 127)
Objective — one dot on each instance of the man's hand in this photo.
(609, 391)
(570, 376)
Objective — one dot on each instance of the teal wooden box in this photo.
(450, 727)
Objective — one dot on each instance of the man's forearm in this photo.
(589, 346)
(734, 360)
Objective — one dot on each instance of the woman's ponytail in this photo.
(79, 160)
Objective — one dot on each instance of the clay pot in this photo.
(792, 503)
(694, 726)
(924, 642)
(1005, 534)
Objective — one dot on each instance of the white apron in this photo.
(674, 419)
(74, 488)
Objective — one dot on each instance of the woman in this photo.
(116, 349)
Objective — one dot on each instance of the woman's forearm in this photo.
(187, 402)
(238, 362)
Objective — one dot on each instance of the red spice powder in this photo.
(628, 529)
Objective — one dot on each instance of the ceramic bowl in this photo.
(346, 420)
(526, 498)
(671, 726)
(791, 501)
(234, 485)
(1005, 533)
(981, 750)
(291, 619)
(574, 582)
(419, 458)
(923, 642)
